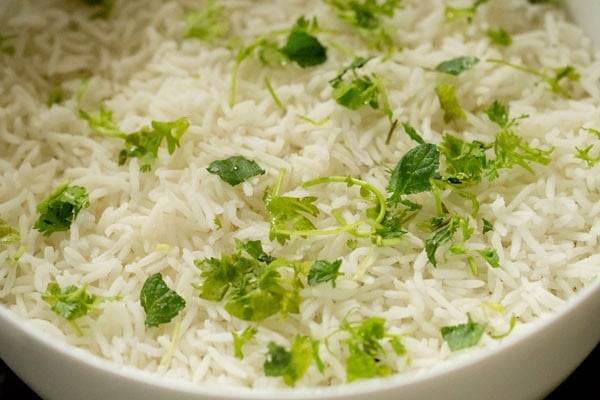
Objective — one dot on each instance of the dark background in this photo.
(584, 382)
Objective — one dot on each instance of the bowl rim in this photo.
(467, 359)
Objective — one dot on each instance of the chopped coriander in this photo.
(456, 66)
(552, 78)
(253, 288)
(465, 161)
(487, 226)
(292, 364)
(239, 340)
(585, 154)
(455, 13)
(304, 48)
(368, 17)
(160, 303)
(498, 113)
(367, 357)
(8, 234)
(511, 150)
(491, 256)
(463, 336)
(207, 24)
(71, 302)
(235, 170)
(446, 94)
(58, 211)
(324, 271)
(499, 36)
(143, 144)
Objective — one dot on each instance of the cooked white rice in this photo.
(137, 63)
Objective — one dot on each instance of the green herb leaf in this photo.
(413, 172)
(412, 133)
(585, 153)
(446, 94)
(70, 302)
(465, 162)
(455, 13)
(457, 65)
(324, 271)
(487, 226)
(444, 230)
(160, 303)
(7, 49)
(239, 340)
(58, 211)
(235, 170)
(207, 24)
(291, 365)
(289, 212)
(491, 256)
(143, 144)
(8, 234)
(499, 37)
(511, 150)
(304, 49)
(463, 335)
(106, 7)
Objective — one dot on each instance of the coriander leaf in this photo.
(487, 226)
(239, 340)
(499, 37)
(160, 303)
(368, 16)
(498, 113)
(143, 144)
(443, 232)
(366, 357)
(291, 365)
(463, 335)
(286, 212)
(413, 172)
(362, 90)
(221, 274)
(446, 94)
(324, 271)
(235, 170)
(304, 49)
(58, 211)
(511, 150)
(455, 13)
(207, 24)
(253, 248)
(71, 302)
(457, 65)
(8, 234)
(465, 162)
(585, 153)
(491, 256)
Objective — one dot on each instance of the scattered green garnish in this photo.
(55, 96)
(463, 336)
(8, 234)
(324, 271)
(58, 211)
(487, 226)
(292, 364)
(455, 13)
(368, 16)
(458, 65)
(499, 37)
(207, 24)
(414, 171)
(7, 49)
(585, 154)
(553, 79)
(446, 94)
(160, 303)
(235, 170)
(71, 302)
(239, 340)
(367, 356)
(142, 144)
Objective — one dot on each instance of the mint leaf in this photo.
(413, 172)
(160, 303)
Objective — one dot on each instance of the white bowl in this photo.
(528, 364)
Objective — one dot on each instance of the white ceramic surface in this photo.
(528, 364)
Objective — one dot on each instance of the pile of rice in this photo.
(137, 63)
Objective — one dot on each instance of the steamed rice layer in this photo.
(546, 224)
